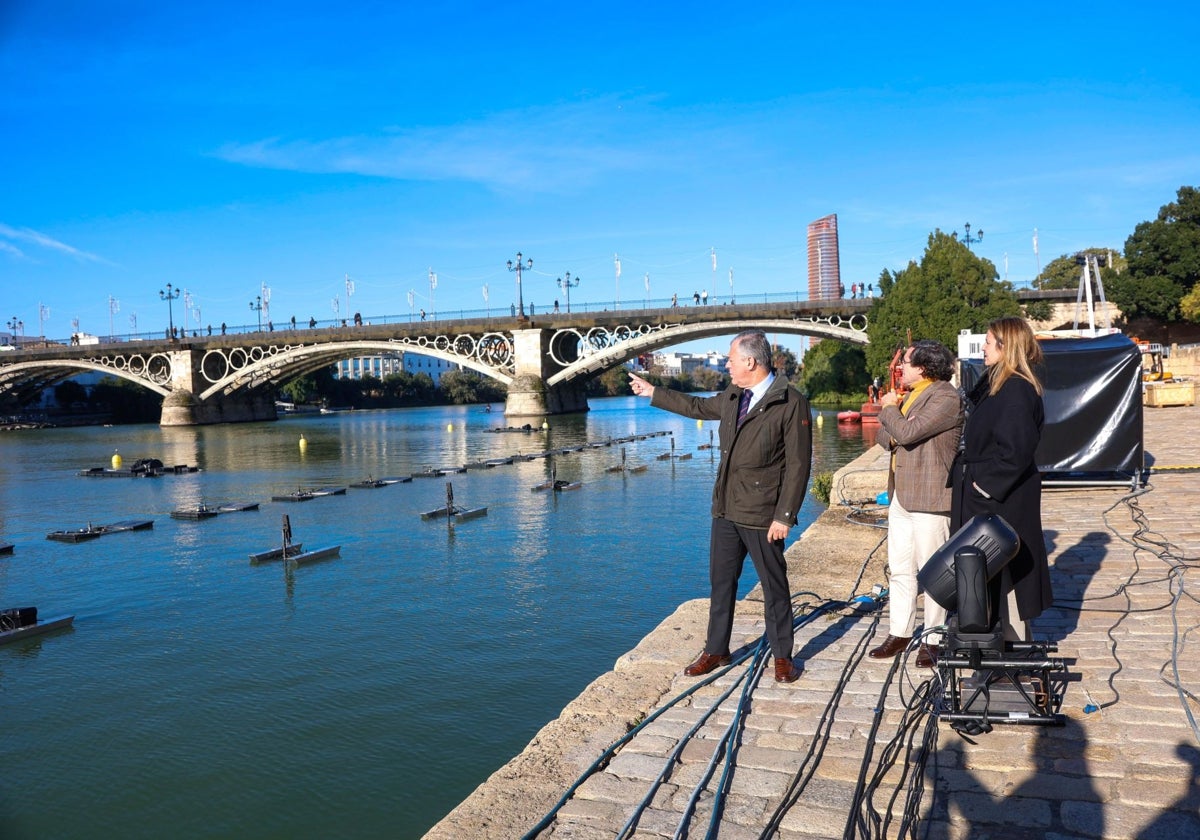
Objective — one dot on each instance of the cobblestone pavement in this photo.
(849, 750)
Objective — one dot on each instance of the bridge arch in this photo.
(597, 355)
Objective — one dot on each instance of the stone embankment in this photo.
(850, 751)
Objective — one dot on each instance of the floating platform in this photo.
(557, 486)
(376, 483)
(276, 553)
(10, 633)
(458, 514)
(195, 513)
(199, 512)
(91, 532)
(141, 468)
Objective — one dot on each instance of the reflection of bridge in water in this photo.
(543, 360)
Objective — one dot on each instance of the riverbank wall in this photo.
(844, 752)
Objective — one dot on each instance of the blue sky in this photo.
(222, 146)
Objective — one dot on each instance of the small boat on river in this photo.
(6, 548)
(22, 622)
(300, 495)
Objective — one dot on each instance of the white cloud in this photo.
(543, 149)
(40, 240)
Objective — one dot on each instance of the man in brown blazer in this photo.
(922, 434)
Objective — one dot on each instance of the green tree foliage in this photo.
(784, 361)
(949, 290)
(1064, 272)
(70, 392)
(709, 379)
(125, 401)
(466, 387)
(612, 383)
(1164, 261)
(835, 372)
(1189, 307)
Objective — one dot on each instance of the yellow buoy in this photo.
(116, 460)
(545, 424)
(449, 427)
(303, 443)
(820, 419)
(699, 424)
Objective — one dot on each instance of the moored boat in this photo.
(849, 417)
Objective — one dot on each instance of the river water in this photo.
(200, 696)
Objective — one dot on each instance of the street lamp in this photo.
(519, 268)
(967, 239)
(256, 306)
(169, 295)
(565, 285)
(16, 326)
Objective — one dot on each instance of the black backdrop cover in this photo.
(1093, 399)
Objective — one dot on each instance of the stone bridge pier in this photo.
(529, 395)
(182, 407)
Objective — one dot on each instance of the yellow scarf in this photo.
(912, 395)
(904, 407)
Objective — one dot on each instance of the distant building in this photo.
(676, 364)
(824, 270)
(382, 366)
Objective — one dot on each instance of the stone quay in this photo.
(842, 753)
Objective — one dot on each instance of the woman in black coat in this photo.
(997, 473)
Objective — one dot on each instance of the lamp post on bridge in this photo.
(967, 239)
(565, 285)
(16, 326)
(256, 306)
(170, 295)
(519, 268)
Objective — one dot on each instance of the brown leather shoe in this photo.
(927, 656)
(890, 647)
(706, 663)
(785, 670)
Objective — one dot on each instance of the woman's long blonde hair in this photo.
(1019, 352)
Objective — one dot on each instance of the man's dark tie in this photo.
(744, 405)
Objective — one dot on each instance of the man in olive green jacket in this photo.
(766, 455)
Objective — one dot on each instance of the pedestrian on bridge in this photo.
(766, 456)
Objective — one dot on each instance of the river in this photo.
(200, 696)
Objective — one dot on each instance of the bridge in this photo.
(544, 361)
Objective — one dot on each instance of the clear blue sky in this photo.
(220, 146)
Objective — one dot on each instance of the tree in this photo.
(463, 387)
(1164, 261)
(950, 290)
(1064, 272)
(834, 372)
(784, 361)
(1189, 307)
(69, 392)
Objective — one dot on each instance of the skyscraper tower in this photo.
(824, 271)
